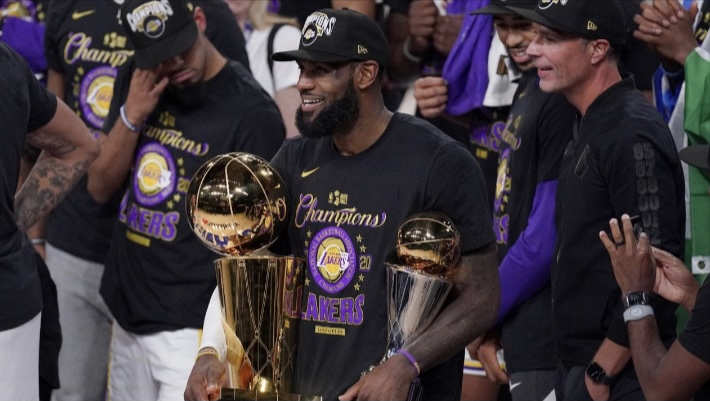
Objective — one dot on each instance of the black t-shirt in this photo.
(696, 334)
(86, 44)
(158, 274)
(531, 148)
(353, 206)
(26, 106)
(484, 135)
(622, 160)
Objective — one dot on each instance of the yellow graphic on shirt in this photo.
(333, 259)
(99, 95)
(153, 174)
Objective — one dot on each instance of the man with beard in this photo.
(186, 103)
(370, 170)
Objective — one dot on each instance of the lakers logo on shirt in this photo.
(155, 175)
(96, 93)
(332, 259)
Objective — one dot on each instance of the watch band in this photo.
(636, 298)
(598, 375)
(637, 312)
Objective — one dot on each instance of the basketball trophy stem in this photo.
(236, 204)
(428, 245)
(261, 303)
(414, 299)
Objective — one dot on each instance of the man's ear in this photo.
(200, 19)
(366, 74)
(600, 48)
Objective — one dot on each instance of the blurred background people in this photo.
(266, 32)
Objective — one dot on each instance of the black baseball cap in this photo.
(158, 29)
(333, 36)
(697, 156)
(589, 19)
(501, 7)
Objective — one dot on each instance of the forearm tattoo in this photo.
(48, 182)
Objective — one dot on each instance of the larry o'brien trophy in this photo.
(236, 205)
(428, 246)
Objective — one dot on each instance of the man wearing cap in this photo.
(621, 159)
(356, 174)
(683, 371)
(531, 146)
(186, 103)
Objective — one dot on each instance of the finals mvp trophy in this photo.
(236, 205)
(428, 246)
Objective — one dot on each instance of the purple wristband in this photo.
(410, 358)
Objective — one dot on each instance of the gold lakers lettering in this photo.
(78, 47)
(174, 139)
(307, 211)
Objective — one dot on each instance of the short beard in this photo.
(338, 117)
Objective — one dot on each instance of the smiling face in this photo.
(329, 102)
(516, 33)
(562, 60)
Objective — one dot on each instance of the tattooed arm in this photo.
(68, 149)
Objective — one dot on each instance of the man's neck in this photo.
(368, 128)
(214, 63)
(602, 78)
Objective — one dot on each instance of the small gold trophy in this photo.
(428, 246)
(236, 205)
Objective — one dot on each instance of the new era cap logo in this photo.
(361, 49)
(591, 26)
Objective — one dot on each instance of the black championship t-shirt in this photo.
(158, 274)
(85, 43)
(531, 147)
(26, 105)
(695, 337)
(344, 214)
(622, 160)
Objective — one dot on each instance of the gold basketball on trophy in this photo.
(428, 242)
(236, 204)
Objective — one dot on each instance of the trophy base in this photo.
(247, 395)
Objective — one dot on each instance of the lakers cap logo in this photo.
(150, 18)
(316, 25)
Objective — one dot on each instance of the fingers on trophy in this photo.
(236, 205)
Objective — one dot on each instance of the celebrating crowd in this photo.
(568, 142)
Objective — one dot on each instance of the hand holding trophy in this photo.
(428, 246)
(236, 205)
